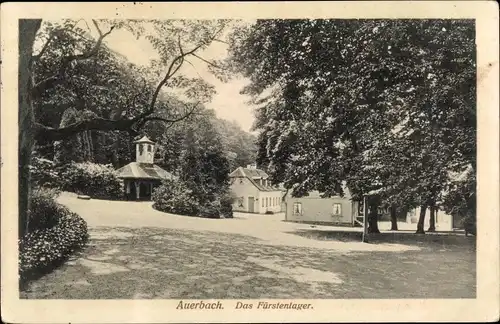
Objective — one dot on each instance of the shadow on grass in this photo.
(450, 239)
(36, 273)
(150, 263)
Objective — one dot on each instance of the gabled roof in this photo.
(253, 175)
(249, 173)
(144, 139)
(318, 194)
(137, 170)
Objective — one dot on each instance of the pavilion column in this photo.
(127, 187)
(137, 189)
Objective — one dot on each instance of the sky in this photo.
(228, 103)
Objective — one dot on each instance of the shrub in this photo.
(44, 173)
(52, 238)
(44, 211)
(220, 207)
(96, 180)
(173, 196)
(268, 212)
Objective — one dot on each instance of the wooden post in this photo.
(137, 189)
(365, 223)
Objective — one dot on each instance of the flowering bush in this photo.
(96, 180)
(51, 239)
(44, 173)
(222, 206)
(44, 211)
(174, 197)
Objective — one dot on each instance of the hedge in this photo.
(95, 180)
(54, 233)
(44, 173)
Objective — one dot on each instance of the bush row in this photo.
(96, 180)
(54, 234)
(173, 196)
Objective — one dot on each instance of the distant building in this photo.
(313, 208)
(253, 191)
(344, 211)
(142, 176)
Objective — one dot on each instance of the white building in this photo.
(253, 191)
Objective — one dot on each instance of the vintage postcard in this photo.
(231, 162)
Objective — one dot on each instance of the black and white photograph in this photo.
(272, 162)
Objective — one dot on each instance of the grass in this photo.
(128, 263)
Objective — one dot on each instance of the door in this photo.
(251, 204)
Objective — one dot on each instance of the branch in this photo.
(179, 60)
(45, 133)
(206, 61)
(66, 61)
(194, 68)
(220, 41)
(190, 112)
(44, 48)
(52, 35)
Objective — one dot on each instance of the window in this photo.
(240, 202)
(149, 148)
(337, 209)
(297, 209)
(262, 202)
(267, 202)
(141, 149)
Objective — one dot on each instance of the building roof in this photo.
(144, 139)
(253, 175)
(318, 194)
(136, 170)
(249, 173)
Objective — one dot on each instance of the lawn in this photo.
(166, 263)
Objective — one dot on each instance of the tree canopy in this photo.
(387, 106)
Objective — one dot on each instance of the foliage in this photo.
(54, 233)
(203, 152)
(460, 198)
(175, 197)
(44, 173)
(388, 106)
(96, 180)
(44, 210)
(220, 207)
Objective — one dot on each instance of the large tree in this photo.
(176, 42)
(386, 106)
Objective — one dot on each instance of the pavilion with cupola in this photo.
(141, 176)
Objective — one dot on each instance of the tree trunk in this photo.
(27, 33)
(394, 218)
(432, 221)
(421, 219)
(373, 218)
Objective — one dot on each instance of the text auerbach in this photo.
(199, 305)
